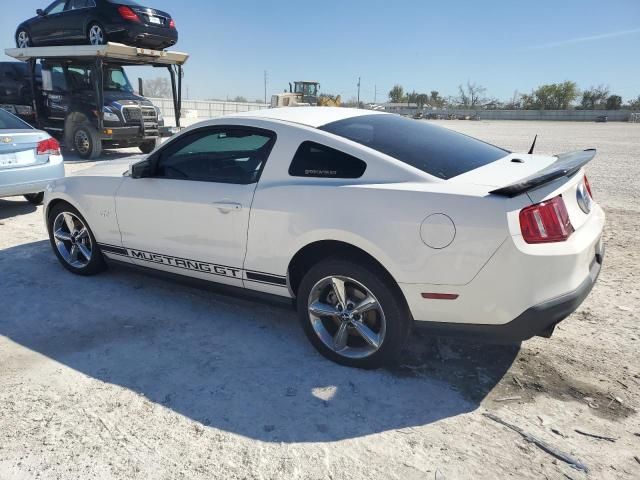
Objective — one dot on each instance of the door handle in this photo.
(227, 207)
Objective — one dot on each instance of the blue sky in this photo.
(422, 45)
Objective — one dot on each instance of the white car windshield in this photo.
(10, 122)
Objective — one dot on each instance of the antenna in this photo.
(533, 146)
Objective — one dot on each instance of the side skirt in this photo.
(211, 286)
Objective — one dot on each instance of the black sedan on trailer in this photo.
(97, 22)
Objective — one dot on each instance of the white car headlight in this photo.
(109, 116)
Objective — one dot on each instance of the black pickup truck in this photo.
(66, 106)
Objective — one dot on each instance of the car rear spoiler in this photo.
(566, 165)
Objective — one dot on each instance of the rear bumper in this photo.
(539, 320)
(522, 291)
(26, 180)
(146, 36)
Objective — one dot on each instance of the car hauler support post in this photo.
(176, 90)
(34, 99)
(98, 86)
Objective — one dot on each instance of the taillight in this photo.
(128, 14)
(50, 146)
(172, 23)
(546, 222)
(586, 184)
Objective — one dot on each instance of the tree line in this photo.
(553, 96)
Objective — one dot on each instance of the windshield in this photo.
(437, 151)
(115, 79)
(9, 122)
(307, 89)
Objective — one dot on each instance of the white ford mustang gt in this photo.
(370, 221)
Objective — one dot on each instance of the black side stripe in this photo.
(112, 249)
(256, 277)
(266, 278)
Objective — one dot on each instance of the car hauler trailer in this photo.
(82, 95)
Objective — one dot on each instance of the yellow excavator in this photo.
(304, 94)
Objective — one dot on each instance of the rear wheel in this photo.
(86, 142)
(73, 241)
(352, 314)
(23, 39)
(35, 198)
(96, 35)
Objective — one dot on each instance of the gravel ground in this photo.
(125, 376)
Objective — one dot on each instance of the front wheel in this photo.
(148, 146)
(34, 198)
(23, 39)
(86, 142)
(352, 314)
(73, 241)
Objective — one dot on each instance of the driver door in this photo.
(190, 213)
(48, 29)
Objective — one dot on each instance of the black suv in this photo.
(97, 22)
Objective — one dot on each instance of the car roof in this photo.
(309, 116)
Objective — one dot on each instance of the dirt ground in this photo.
(126, 376)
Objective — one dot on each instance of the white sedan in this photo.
(29, 159)
(371, 222)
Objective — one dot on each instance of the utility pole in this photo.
(265, 86)
(375, 94)
(358, 92)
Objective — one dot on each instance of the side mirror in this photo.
(40, 13)
(141, 169)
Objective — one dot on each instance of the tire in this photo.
(86, 141)
(387, 325)
(23, 39)
(148, 146)
(35, 198)
(96, 35)
(63, 238)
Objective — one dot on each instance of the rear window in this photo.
(319, 161)
(438, 151)
(9, 122)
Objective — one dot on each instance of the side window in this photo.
(56, 7)
(320, 161)
(77, 4)
(223, 155)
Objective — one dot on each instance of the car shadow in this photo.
(238, 365)
(15, 208)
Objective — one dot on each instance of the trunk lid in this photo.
(153, 17)
(539, 177)
(18, 148)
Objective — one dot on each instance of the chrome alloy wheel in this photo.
(96, 35)
(23, 39)
(82, 142)
(347, 317)
(72, 240)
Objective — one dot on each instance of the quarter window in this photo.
(233, 155)
(320, 161)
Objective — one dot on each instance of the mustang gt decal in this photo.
(194, 265)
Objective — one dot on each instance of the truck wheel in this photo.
(96, 35)
(23, 39)
(34, 198)
(86, 142)
(149, 146)
(352, 314)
